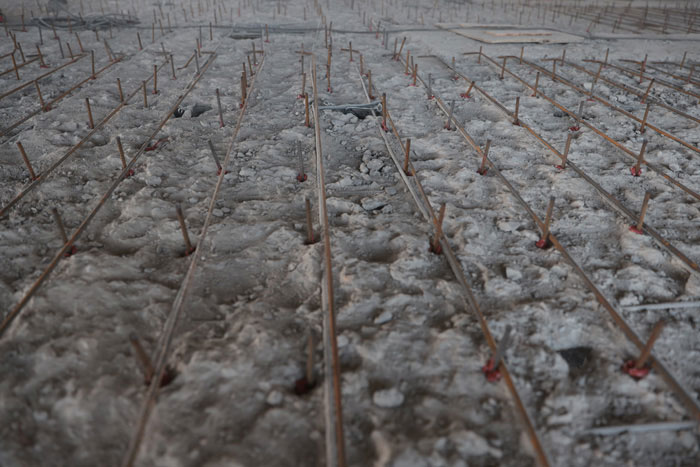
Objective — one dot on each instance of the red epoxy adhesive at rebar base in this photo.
(71, 251)
(630, 367)
(155, 145)
(302, 178)
(574, 128)
(633, 228)
(543, 243)
(635, 171)
(492, 374)
(303, 386)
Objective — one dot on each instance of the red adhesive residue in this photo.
(155, 145)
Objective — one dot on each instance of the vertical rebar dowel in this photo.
(565, 155)
(517, 108)
(41, 57)
(537, 80)
(484, 157)
(309, 224)
(407, 158)
(384, 112)
(244, 89)
(221, 112)
(637, 169)
(214, 156)
(145, 99)
(547, 220)
(172, 66)
(80, 44)
(467, 94)
(579, 115)
(438, 230)
(26, 160)
(398, 54)
(646, 352)
(59, 224)
(122, 156)
(121, 93)
(449, 115)
(89, 112)
(183, 227)
(142, 357)
(41, 98)
(307, 121)
(14, 65)
(643, 128)
(155, 79)
(107, 49)
(369, 84)
(21, 52)
(645, 205)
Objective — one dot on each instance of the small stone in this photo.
(274, 398)
(372, 204)
(388, 398)
(513, 274)
(363, 168)
(153, 181)
(383, 317)
(375, 164)
(218, 213)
